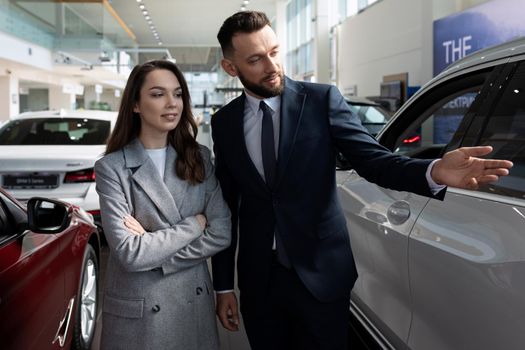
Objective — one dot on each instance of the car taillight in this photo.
(412, 139)
(86, 175)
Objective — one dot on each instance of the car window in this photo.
(505, 131)
(438, 128)
(431, 122)
(55, 131)
(369, 114)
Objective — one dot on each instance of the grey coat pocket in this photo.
(129, 308)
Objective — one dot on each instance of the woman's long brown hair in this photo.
(189, 165)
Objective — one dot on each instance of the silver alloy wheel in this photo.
(88, 301)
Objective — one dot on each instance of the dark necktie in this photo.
(270, 167)
(268, 145)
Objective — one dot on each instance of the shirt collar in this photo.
(273, 102)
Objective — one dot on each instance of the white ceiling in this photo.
(188, 28)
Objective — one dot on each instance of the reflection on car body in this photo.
(49, 256)
(450, 275)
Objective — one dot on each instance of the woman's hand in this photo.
(202, 220)
(133, 226)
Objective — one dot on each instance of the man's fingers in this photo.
(497, 172)
(487, 178)
(497, 163)
(477, 151)
(229, 320)
(227, 311)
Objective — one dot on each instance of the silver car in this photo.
(447, 274)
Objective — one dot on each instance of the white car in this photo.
(52, 154)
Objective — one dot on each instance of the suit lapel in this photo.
(292, 103)
(147, 177)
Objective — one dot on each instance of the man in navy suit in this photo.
(275, 149)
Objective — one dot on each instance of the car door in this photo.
(467, 253)
(380, 220)
(31, 283)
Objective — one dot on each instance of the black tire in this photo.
(87, 302)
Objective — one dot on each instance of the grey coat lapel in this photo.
(146, 175)
(292, 104)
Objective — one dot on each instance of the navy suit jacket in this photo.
(304, 207)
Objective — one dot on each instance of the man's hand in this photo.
(227, 310)
(462, 169)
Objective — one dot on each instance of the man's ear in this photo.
(229, 67)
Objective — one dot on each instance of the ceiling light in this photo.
(139, 0)
(160, 43)
(243, 8)
(145, 12)
(246, 2)
(142, 7)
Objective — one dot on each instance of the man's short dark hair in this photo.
(241, 22)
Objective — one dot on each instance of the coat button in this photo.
(155, 308)
(198, 291)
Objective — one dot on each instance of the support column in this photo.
(9, 98)
(59, 100)
(322, 42)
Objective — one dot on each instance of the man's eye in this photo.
(253, 60)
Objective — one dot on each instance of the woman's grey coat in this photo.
(158, 291)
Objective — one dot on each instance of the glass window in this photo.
(505, 132)
(431, 135)
(55, 131)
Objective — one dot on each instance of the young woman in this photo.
(163, 215)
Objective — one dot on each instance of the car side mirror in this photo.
(47, 216)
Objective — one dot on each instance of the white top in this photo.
(158, 156)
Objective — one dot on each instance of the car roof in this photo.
(63, 113)
(360, 101)
(508, 49)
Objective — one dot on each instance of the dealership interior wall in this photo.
(392, 36)
(386, 38)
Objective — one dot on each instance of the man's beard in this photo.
(261, 90)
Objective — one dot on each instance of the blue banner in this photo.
(479, 27)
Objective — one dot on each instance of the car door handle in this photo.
(398, 212)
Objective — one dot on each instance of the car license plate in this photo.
(37, 181)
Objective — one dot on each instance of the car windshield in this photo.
(369, 114)
(55, 131)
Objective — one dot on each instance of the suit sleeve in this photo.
(370, 159)
(134, 252)
(217, 235)
(223, 263)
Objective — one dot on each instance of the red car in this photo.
(49, 255)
